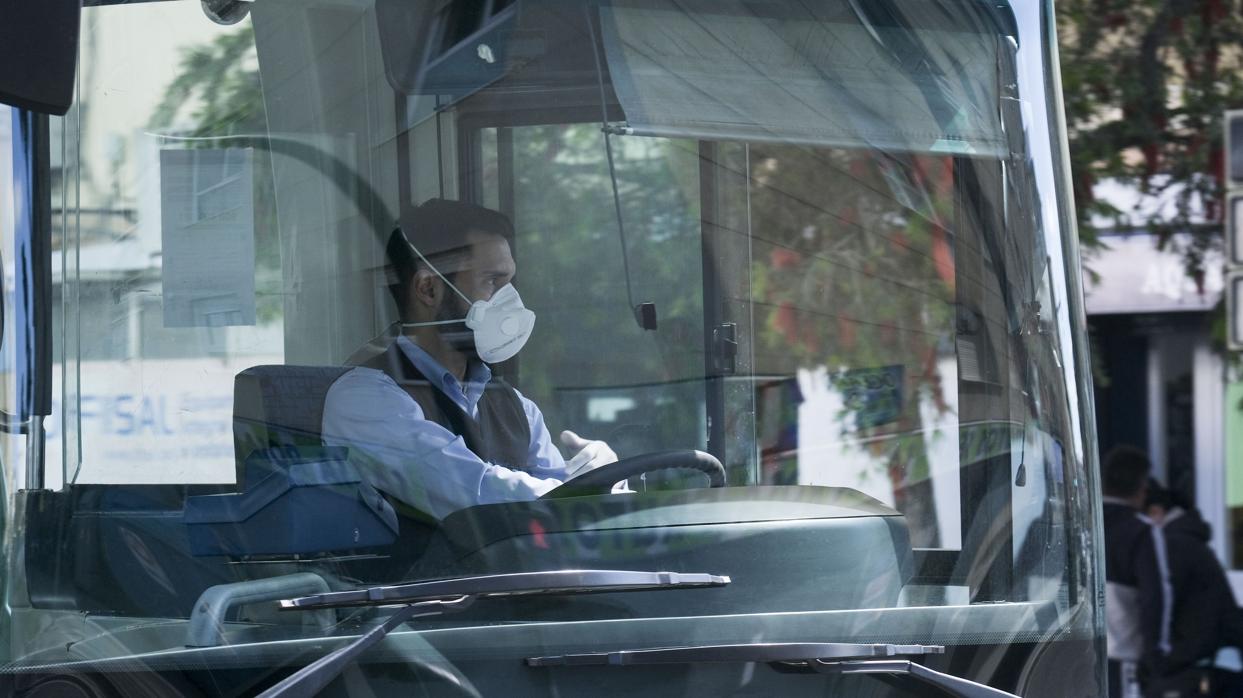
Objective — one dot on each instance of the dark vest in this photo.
(501, 435)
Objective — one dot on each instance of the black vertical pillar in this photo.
(32, 340)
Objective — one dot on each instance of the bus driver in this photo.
(425, 420)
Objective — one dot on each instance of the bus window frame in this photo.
(932, 565)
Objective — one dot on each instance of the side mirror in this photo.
(39, 52)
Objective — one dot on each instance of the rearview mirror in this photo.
(39, 54)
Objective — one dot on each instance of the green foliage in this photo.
(217, 89)
(218, 93)
(1145, 84)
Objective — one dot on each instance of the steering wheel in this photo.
(602, 479)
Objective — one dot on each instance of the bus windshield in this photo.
(778, 296)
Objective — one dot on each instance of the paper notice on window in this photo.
(208, 220)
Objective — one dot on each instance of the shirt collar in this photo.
(477, 372)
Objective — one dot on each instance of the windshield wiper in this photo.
(516, 584)
(441, 596)
(823, 657)
(769, 652)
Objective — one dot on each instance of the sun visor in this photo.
(826, 75)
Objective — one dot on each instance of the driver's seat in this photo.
(279, 406)
(296, 497)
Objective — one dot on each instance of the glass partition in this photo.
(798, 279)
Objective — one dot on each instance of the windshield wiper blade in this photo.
(822, 657)
(448, 595)
(784, 652)
(515, 584)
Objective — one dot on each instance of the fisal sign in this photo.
(166, 421)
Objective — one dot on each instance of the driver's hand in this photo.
(589, 454)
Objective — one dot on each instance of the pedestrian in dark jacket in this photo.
(1205, 616)
(1137, 594)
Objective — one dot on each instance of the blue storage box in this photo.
(299, 500)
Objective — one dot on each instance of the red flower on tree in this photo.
(785, 322)
(784, 258)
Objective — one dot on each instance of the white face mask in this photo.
(501, 324)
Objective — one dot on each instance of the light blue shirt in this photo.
(419, 461)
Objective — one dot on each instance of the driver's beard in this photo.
(457, 335)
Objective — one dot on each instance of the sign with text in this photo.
(152, 422)
(1134, 275)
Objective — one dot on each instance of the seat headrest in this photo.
(279, 406)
